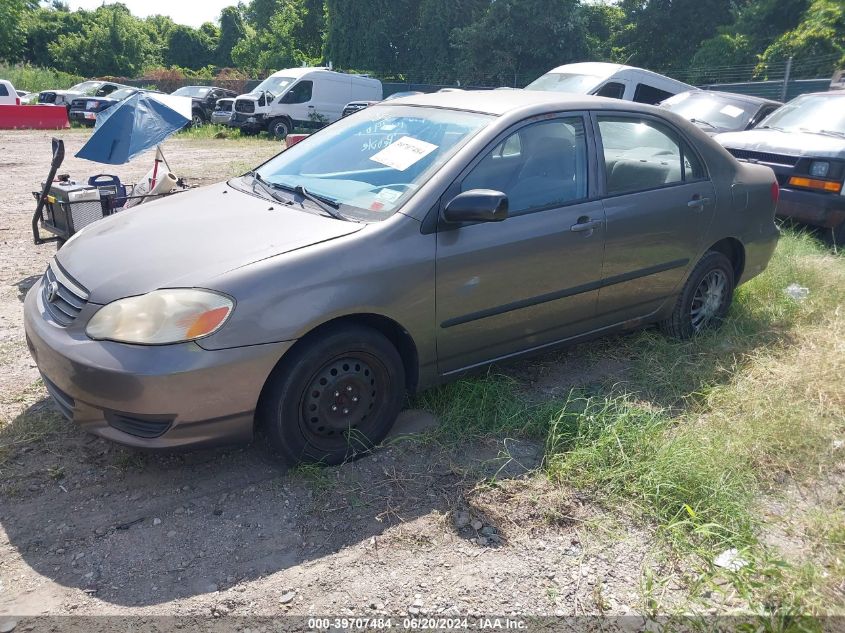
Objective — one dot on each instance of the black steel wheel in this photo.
(334, 398)
(705, 299)
(197, 120)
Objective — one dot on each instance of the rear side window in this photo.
(541, 166)
(641, 154)
(612, 90)
(4, 92)
(300, 93)
(650, 94)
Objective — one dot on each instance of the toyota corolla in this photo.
(391, 251)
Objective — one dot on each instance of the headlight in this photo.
(161, 316)
(819, 168)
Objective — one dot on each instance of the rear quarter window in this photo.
(650, 94)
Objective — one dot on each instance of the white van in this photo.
(300, 97)
(610, 80)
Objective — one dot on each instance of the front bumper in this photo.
(166, 396)
(819, 209)
(244, 121)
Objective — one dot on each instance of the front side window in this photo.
(640, 154)
(613, 90)
(542, 165)
(300, 93)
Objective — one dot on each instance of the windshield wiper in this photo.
(326, 204)
(268, 188)
(833, 133)
(707, 123)
(771, 127)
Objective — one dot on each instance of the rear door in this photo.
(531, 280)
(658, 202)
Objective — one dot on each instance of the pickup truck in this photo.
(204, 99)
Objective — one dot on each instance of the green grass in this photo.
(36, 79)
(222, 132)
(699, 430)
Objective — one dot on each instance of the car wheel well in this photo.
(390, 329)
(733, 249)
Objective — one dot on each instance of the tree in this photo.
(663, 35)
(602, 25)
(817, 43)
(433, 57)
(189, 48)
(232, 31)
(510, 46)
(111, 42)
(722, 58)
(44, 26)
(13, 14)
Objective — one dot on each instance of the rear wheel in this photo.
(197, 119)
(837, 234)
(705, 299)
(335, 398)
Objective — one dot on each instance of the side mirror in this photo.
(477, 205)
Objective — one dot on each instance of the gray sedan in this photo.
(391, 251)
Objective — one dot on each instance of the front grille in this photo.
(764, 157)
(78, 104)
(139, 427)
(64, 402)
(63, 299)
(47, 97)
(245, 105)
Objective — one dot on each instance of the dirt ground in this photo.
(87, 527)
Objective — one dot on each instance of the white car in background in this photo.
(616, 81)
(8, 94)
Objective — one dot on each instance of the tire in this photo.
(705, 299)
(837, 235)
(279, 129)
(335, 398)
(197, 119)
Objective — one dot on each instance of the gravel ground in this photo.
(87, 527)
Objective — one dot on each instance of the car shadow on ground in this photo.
(139, 529)
(25, 284)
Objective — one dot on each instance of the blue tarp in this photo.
(135, 125)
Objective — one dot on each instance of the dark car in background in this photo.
(804, 143)
(715, 112)
(204, 100)
(355, 106)
(91, 88)
(85, 110)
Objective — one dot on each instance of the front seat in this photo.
(548, 173)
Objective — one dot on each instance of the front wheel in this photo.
(279, 129)
(335, 398)
(197, 120)
(705, 299)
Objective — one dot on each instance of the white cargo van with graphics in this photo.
(610, 80)
(300, 97)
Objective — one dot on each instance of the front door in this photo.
(658, 204)
(532, 279)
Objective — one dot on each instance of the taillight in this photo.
(17, 100)
(775, 191)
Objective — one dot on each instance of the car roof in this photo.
(501, 102)
(735, 96)
(607, 69)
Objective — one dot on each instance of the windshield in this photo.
(274, 85)
(565, 82)
(123, 93)
(200, 92)
(810, 113)
(372, 162)
(86, 87)
(722, 112)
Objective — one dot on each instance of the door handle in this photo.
(698, 202)
(310, 107)
(585, 224)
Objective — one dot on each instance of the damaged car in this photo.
(390, 252)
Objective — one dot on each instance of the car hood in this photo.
(786, 143)
(188, 239)
(64, 93)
